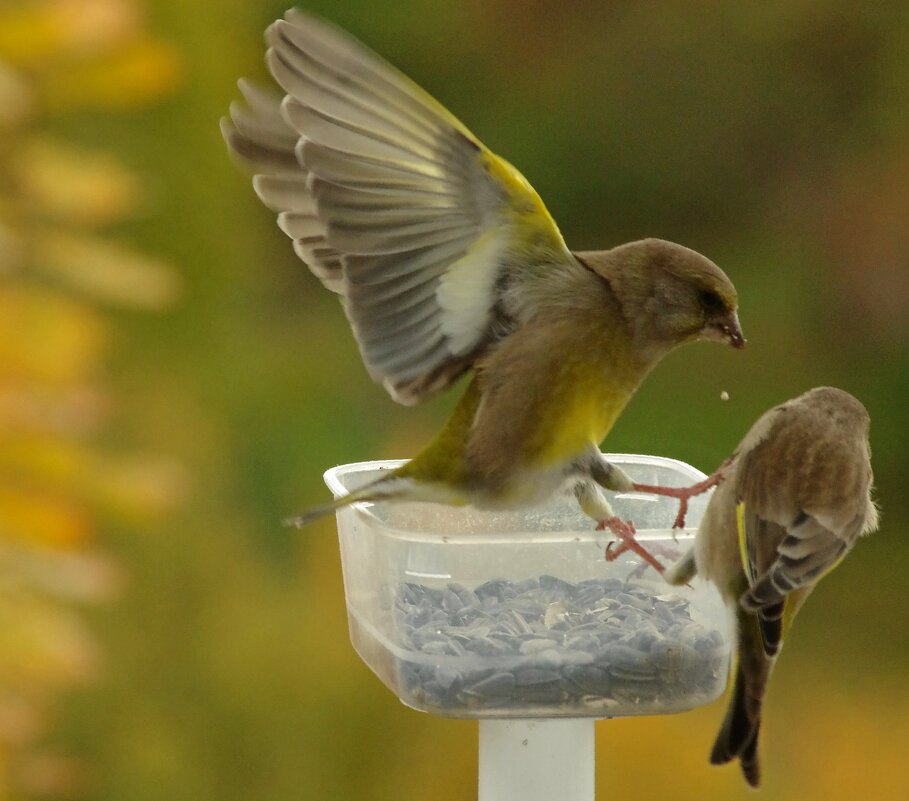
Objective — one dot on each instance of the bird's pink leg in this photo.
(625, 531)
(684, 494)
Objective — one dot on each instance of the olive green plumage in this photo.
(446, 262)
(793, 502)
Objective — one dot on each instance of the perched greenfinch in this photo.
(793, 500)
(447, 262)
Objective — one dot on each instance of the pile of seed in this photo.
(551, 645)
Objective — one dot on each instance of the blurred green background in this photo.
(173, 381)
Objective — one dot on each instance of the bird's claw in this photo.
(625, 531)
(685, 494)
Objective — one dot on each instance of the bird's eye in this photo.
(710, 301)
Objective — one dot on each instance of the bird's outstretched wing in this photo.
(391, 202)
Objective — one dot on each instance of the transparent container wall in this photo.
(473, 614)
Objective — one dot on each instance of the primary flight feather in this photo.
(447, 261)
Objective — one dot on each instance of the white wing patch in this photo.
(466, 291)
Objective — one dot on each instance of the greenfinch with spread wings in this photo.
(447, 262)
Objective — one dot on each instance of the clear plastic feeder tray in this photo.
(472, 614)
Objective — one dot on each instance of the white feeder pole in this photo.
(537, 759)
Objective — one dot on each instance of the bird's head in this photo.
(671, 294)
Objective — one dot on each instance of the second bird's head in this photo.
(670, 294)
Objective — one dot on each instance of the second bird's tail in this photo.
(738, 736)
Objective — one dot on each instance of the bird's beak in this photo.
(727, 329)
(732, 330)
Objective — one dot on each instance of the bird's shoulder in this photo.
(808, 455)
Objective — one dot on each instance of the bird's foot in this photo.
(625, 531)
(685, 494)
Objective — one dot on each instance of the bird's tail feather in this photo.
(770, 621)
(387, 487)
(738, 736)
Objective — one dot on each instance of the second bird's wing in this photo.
(802, 489)
(391, 202)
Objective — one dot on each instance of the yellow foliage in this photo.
(72, 410)
(44, 646)
(34, 33)
(137, 74)
(29, 34)
(108, 271)
(16, 99)
(87, 53)
(43, 517)
(77, 187)
(95, 25)
(46, 337)
(55, 483)
(136, 488)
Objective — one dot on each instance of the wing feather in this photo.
(284, 193)
(805, 495)
(391, 201)
(363, 270)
